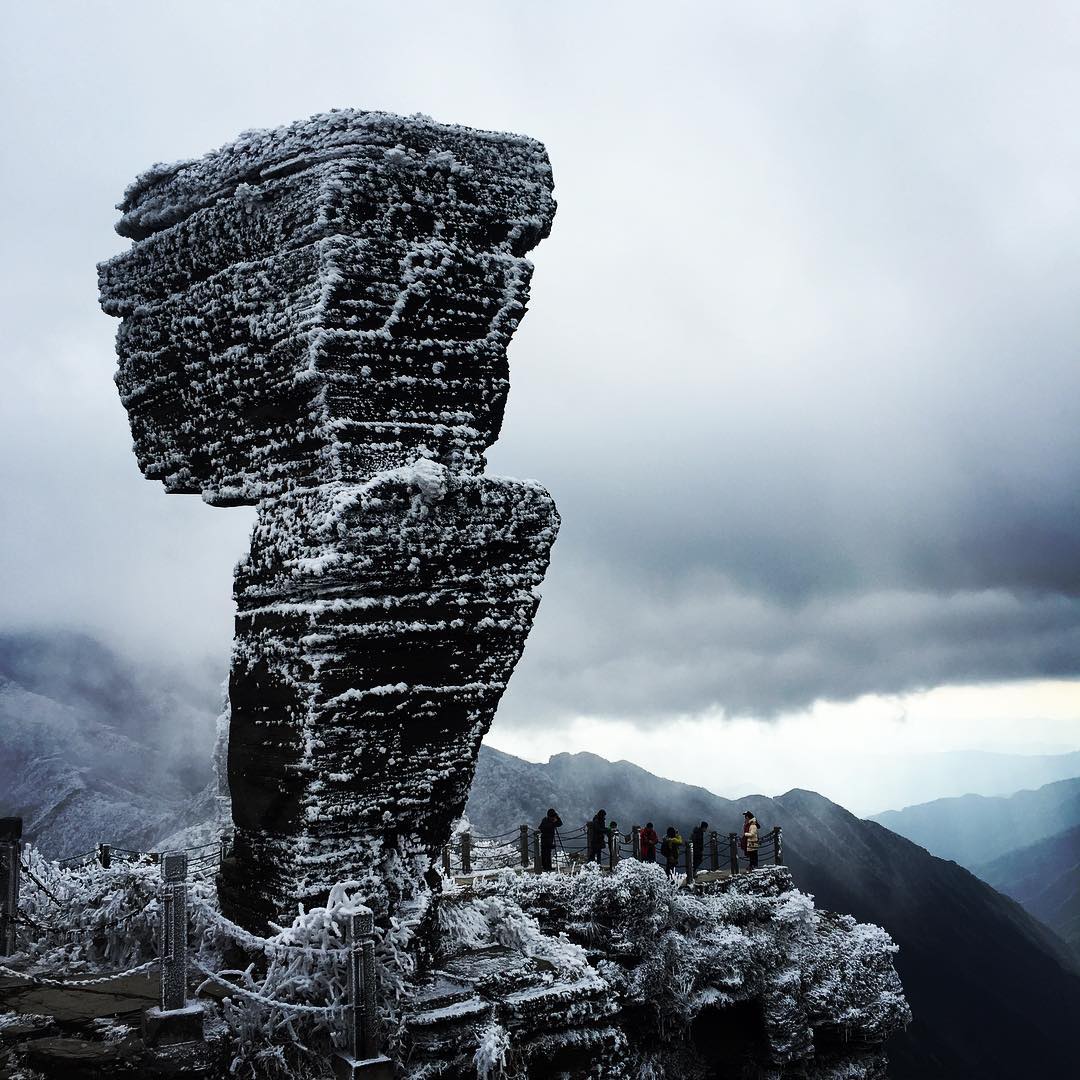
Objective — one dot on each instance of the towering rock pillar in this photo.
(315, 321)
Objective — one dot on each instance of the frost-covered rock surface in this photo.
(315, 320)
(324, 301)
(597, 975)
(632, 975)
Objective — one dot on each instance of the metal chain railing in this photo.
(518, 848)
(73, 984)
(358, 1015)
(476, 853)
(218, 979)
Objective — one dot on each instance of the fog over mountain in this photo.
(1026, 846)
(97, 749)
(1045, 878)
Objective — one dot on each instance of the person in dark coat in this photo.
(598, 835)
(697, 842)
(647, 840)
(548, 825)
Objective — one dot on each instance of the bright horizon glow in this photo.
(856, 753)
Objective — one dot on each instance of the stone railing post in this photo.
(688, 858)
(589, 849)
(446, 859)
(635, 841)
(174, 866)
(778, 846)
(525, 846)
(466, 853)
(733, 852)
(10, 863)
(537, 865)
(174, 1020)
(104, 854)
(714, 851)
(362, 1057)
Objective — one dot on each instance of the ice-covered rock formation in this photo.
(315, 321)
(629, 975)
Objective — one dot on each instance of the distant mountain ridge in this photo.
(96, 749)
(1044, 878)
(975, 829)
(976, 968)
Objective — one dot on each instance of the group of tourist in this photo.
(604, 835)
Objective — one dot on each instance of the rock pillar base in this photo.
(347, 1067)
(167, 1027)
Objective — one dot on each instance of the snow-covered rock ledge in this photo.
(637, 977)
(516, 976)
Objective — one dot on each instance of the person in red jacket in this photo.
(647, 841)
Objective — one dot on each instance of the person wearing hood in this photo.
(749, 840)
(598, 835)
(548, 825)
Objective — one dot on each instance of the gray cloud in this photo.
(800, 365)
(663, 652)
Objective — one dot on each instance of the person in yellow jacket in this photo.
(750, 839)
(670, 849)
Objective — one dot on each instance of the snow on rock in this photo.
(629, 975)
(315, 320)
(375, 637)
(343, 315)
(622, 975)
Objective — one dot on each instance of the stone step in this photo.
(72, 1059)
(579, 1051)
(459, 1012)
(23, 1028)
(442, 990)
(493, 971)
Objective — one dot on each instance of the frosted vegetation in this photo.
(669, 954)
(635, 959)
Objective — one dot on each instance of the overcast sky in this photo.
(800, 366)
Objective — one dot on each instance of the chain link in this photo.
(68, 984)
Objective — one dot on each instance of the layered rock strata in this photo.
(315, 321)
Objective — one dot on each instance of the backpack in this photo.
(665, 847)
